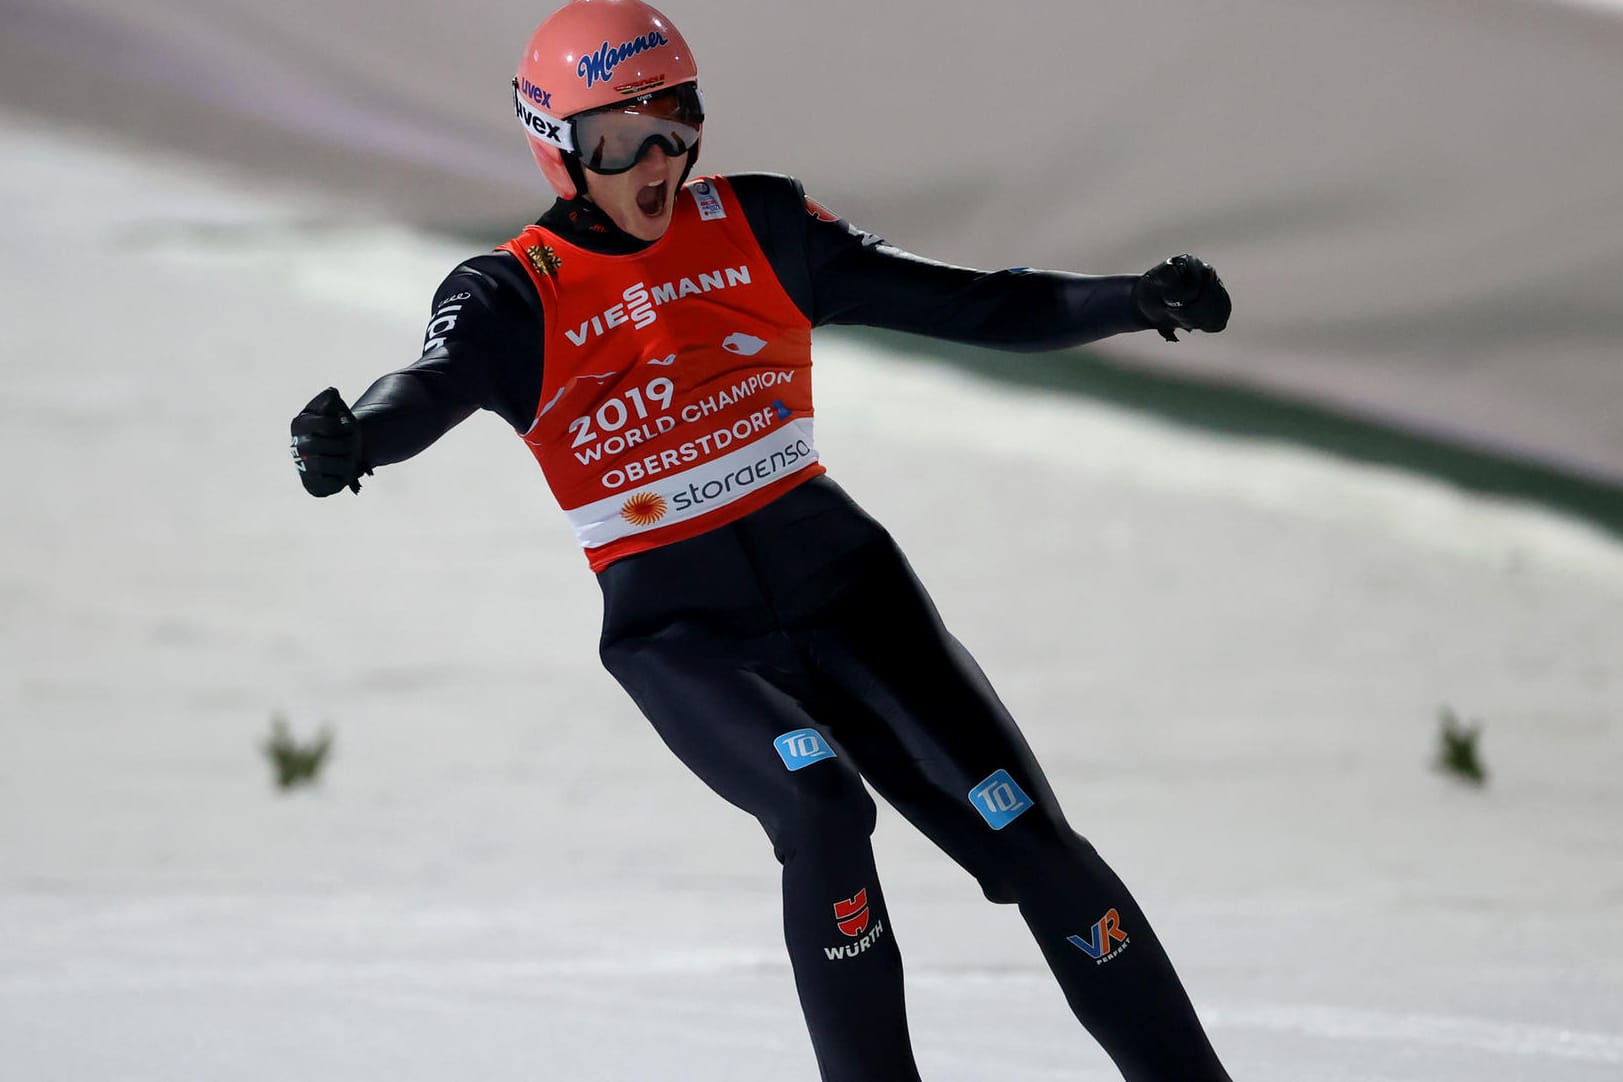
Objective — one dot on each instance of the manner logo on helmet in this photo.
(643, 509)
(599, 66)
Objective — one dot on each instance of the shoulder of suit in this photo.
(764, 190)
(495, 280)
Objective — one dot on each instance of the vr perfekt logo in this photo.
(1102, 938)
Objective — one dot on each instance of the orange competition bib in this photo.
(676, 385)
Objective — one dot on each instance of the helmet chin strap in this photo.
(693, 159)
(576, 173)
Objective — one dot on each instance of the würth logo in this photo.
(1103, 937)
(852, 914)
(852, 917)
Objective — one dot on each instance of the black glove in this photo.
(326, 445)
(1184, 293)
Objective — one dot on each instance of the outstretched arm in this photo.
(840, 274)
(875, 284)
(406, 410)
(482, 350)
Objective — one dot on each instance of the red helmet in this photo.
(587, 55)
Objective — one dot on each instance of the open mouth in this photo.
(651, 198)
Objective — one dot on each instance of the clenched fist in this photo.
(1183, 294)
(326, 445)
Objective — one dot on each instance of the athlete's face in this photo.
(642, 199)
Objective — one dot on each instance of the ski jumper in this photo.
(772, 632)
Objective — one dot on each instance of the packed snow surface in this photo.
(1229, 654)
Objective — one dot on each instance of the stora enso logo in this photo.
(599, 66)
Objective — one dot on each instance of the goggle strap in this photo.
(548, 129)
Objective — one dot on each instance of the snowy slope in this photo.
(1229, 655)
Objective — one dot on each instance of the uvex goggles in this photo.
(613, 138)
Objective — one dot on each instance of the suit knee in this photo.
(1015, 864)
(830, 809)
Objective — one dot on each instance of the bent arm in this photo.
(405, 411)
(482, 351)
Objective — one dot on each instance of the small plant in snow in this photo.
(295, 764)
(1457, 754)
